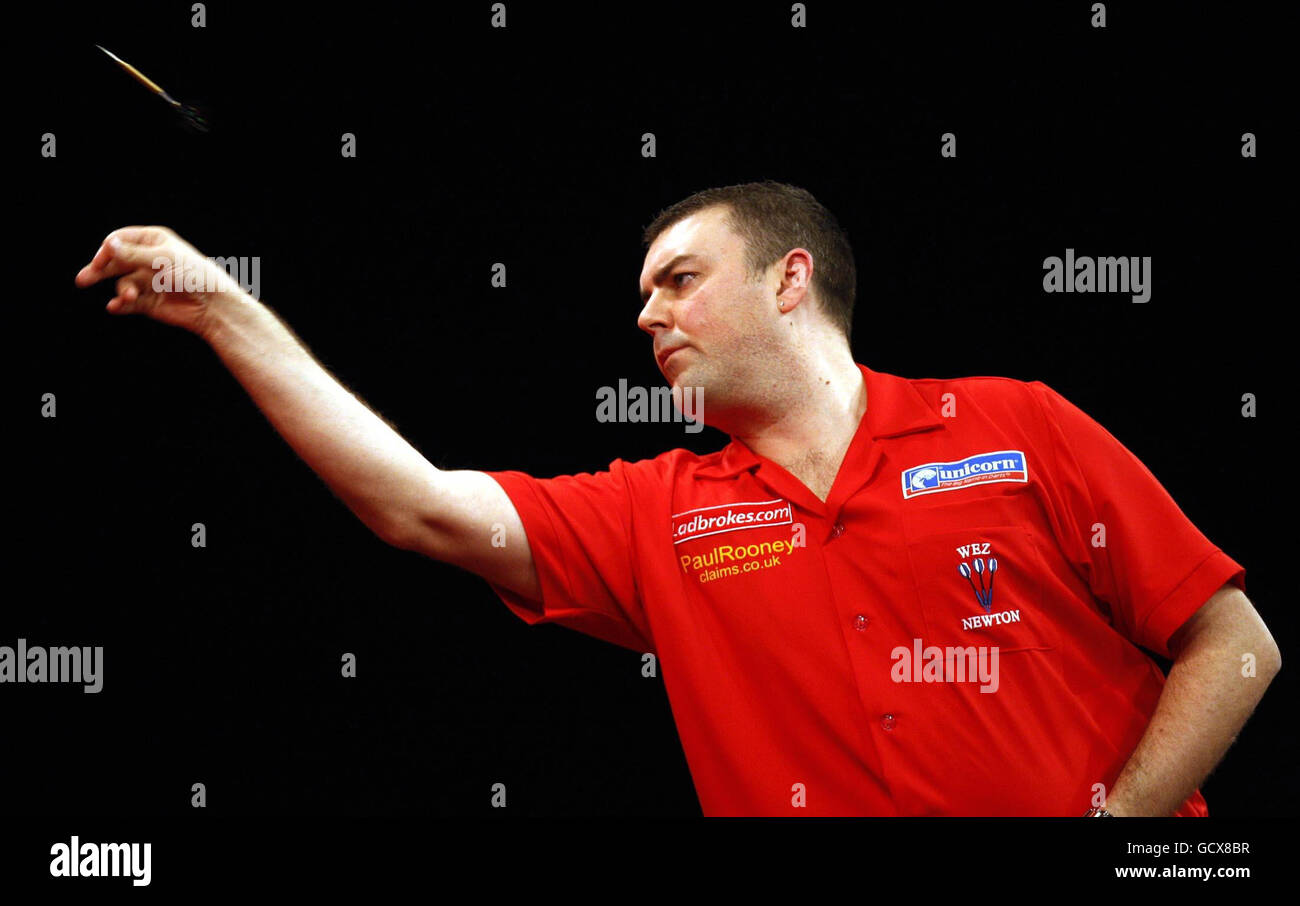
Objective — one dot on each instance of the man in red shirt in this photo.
(883, 597)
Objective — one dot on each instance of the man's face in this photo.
(711, 323)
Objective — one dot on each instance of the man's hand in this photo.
(160, 275)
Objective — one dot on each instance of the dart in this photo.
(965, 571)
(192, 115)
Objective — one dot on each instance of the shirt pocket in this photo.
(981, 585)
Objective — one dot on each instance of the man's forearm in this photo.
(367, 464)
(1204, 704)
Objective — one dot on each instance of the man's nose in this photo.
(654, 314)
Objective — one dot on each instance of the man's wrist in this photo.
(226, 313)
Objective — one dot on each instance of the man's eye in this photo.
(677, 277)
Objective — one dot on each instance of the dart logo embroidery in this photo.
(982, 594)
(979, 570)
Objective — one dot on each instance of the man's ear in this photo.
(794, 275)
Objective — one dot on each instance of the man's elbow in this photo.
(389, 529)
(414, 535)
(1229, 622)
(397, 533)
(1270, 656)
(1259, 650)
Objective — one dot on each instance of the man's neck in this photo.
(817, 421)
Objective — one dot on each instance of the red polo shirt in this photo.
(838, 657)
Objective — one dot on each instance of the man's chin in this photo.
(679, 382)
(688, 404)
(680, 370)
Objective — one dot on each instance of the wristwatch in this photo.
(1097, 813)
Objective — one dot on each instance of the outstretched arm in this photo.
(385, 481)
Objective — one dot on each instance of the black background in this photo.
(522, 146)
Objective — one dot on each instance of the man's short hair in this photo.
(774, 218)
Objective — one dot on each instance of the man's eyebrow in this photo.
(663, 272)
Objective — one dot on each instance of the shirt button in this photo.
(887, 721)
(860, 622)
(837, 529)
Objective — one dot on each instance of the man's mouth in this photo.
(668, 354)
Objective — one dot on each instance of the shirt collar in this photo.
(894, 408)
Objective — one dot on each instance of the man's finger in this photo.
(128, 289)
(94, 271)
(139, 235)
(122, 251)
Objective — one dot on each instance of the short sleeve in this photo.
(1155, 568)
(579, 532)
